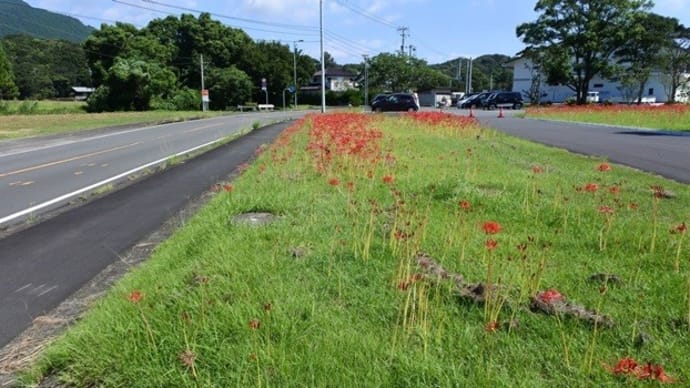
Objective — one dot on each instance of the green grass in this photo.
(327, 295)
(33, 107)
(30, 125)
(665, 117)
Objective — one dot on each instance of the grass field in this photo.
(420, 250)
(666, 117)
(65, 117)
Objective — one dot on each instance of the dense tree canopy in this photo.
(46, 68)
(395, 72)
(8, 89)
(579, 37)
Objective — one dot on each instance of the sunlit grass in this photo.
(333, 293)
(20, 125)
(666, 117)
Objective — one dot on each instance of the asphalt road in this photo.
(38, 175)
(43, 265)
(661, 152)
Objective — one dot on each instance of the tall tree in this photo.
(8, 89)
(675, 62)
(394, 72)
(581, 36)
(650, 35)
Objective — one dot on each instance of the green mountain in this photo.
(19, 18)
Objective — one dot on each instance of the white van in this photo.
(592, 97)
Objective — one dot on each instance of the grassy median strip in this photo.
(665, 117)
(418, 250)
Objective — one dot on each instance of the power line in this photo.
(366, 14)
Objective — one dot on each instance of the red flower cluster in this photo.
(629, 367)
(135, 296)
(388, 179)
(550, 296)
(491, 227)
(604, 167)
(405, 284)
(680, 228)
(343, 134)
(465, 205)
(443, 119)
(591, 187)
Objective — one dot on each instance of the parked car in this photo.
(511, 100)
(474, 101)
(396, 102)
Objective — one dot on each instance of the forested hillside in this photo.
(19, 18)
(488, 72)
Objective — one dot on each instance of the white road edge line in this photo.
(101, 183)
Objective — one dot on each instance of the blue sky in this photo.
(438, 30)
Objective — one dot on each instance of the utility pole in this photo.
(294, 66)
(403, 33)
(204, 92)
(366, 80)
(323, 65)
(457, 76)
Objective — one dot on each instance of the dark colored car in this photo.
(475, 101)
(395, 102)
(511, 100)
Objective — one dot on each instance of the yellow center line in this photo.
(78, 157)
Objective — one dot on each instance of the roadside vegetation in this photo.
(667, 117)
(20, 119)
(418, 250)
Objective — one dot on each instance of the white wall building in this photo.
(655, 89)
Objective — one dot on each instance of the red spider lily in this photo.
(465, 205)
(334, 181)
(606, 210)
(680, 228)
(254, 324)
(604, 167)
(405, 284)
(537, 170)
(625, 366)
(615, 190)
(443, 119)
(654, 372)
(550, 296)
(135, 296)
(633, 206)
(491, 227)
(491, 244)
(658, 192)
(388, 179)
(591, 187)
(629, 367)
(227, 188)
(268, 306)
(491, 327)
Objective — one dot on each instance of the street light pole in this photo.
(294, 66)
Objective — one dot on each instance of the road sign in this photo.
(204, 95)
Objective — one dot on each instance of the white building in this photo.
(655, 89)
